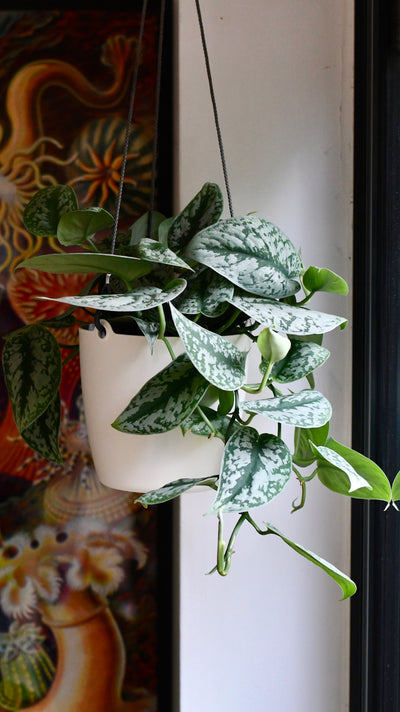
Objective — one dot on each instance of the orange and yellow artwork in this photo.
(79, 563)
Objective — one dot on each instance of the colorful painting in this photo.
(79, 563)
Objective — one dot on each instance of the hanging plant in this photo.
(203, 279)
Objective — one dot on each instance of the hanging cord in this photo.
(128, 130)
(156, 118)
(214, 103)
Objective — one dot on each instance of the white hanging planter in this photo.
(113, 369)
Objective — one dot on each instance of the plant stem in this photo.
(261, 386)
(224, 555)
(230, 321)
(206, 420)
(163, 324)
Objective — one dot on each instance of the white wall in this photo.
(273, 635)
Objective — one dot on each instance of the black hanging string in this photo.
(128, 128)
(156, 117)
(214, 104)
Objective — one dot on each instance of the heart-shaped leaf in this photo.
(77, 226)
(197, 425)
(43, 212)
(286, 318)
(338, 464)
(250, 252)
(396, 488)
(42, 434)
(303, 454)
(172, 490)
(138, 299)
(317, 279)
(140, 228)
(165, 401)
(203, 210)
(207, 293)
(307, 409)
(302, 359)
(346, 584)
(216, 358)
(127, 268)
(32, 371)
(255, 468)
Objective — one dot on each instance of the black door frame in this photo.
(375, 614)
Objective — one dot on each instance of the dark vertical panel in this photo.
(375, 678)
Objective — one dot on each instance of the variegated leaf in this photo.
(203, 210)
(307, 409)
(32, 371)
(138, 299)
(127, 268)
(207, 293)
(77, 226)
(346, 584)
(303, 358)
(165, 401)
(216, 358)
(250, 252)
(336, 466)
(42, 434)
(43, 212)
(286, 318)
(197, 425)
(338, 462)
(255, 468)
(173, 489)
(155, 252)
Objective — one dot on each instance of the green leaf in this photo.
(203, 210)
(346, 584)
(163, 231)
(140, 227)
(155, 252)
(42, 434)
(338, 464)
(255, 468)
(172, 490)
(216, 358)
(43, 212)
(302, 359)
(32, 371)
(307, 409)
(149, 329)
(196, 424)
(165, 401)
(286, 318)
(77, 226)
(317, 279)
(303, 454)
(396, 488)
(250, 252)
(127, 268)
(138, 299)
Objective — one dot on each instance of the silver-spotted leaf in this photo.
(138, 299)
(255, 468)
(337, 465)
(286, 318)
(346, 584)
(32, 371)
(42, 434)
(165, 401)
(216, 358)
(250, 252)
(156, 252)
(303, 358)
(307, 409)
(173, 489)
(303, 454)
(203, 210)
(42, 214)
